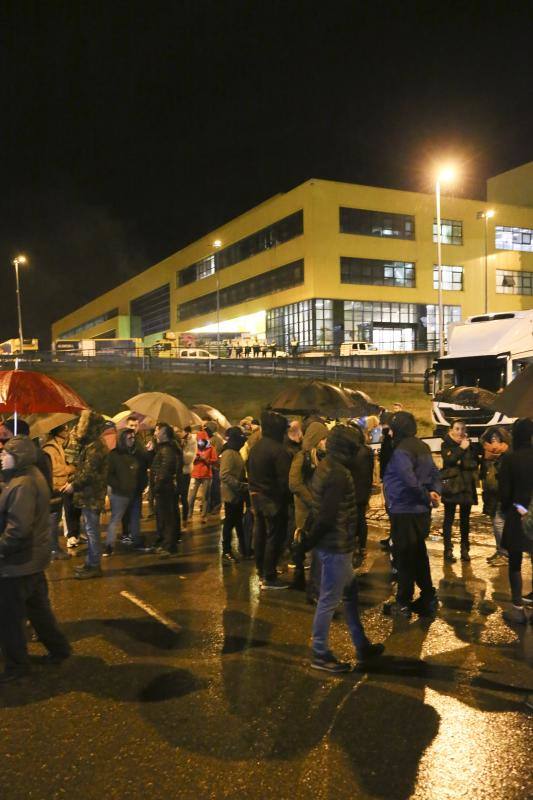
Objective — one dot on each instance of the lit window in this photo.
(451, 231)
(514, 282)
(514, 239)
(452, 278)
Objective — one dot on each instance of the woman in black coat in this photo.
(458, 474)
(516, 487)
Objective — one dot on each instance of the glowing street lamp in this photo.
(486, 215)
(16, 261)
(445, 175)
(217, 244)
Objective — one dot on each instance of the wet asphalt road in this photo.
(226, 706)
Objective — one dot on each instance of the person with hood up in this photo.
(233, 489)
(412, 486)
(495, 442)
(458, 478)
(331, 534)
(127, 479)
(268, 477)
(302, 469)
(165, 472)
(515, 493)
(61, 472)
(24, 555)
(89, 487)
(202, 473)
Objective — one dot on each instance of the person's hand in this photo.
(149, 445)
(68, 488)
(435, 499)
(465, 443)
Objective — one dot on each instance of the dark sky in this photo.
(129, 129)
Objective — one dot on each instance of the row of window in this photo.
(151, 312)
(90, 323)
(401, 274)
(275, 280)
(279, 232)
(513, 282)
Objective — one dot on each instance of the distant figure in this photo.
(273, 349)
(247, 351)
(264, 350)
(256, 348)
(295, 344)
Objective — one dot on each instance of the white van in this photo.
(194, 352)
(357, 348)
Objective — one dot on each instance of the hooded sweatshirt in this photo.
(24, 514)
(232, 470)
(90, 478)
(206, 456)
(302, 470)
(269, 462)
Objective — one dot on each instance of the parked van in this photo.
(194, 352)
(357, 348)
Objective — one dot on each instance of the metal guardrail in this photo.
(280, 367)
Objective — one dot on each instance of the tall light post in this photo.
(217, 244)
(486, 215)
(444, 176)
(16, 261)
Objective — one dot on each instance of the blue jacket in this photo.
(409, 478)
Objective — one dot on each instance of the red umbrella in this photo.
(25, 392)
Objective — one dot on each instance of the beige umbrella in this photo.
(145, 423)
(213, 414)
(163, 407)
(41, 424)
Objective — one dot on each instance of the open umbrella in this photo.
(313, 397)
(362, 403)
(467, 396)
(516, 400)
(214, 414)
(162, 407)
(41, 424)
(145, 423)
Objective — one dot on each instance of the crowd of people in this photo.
(298, 489)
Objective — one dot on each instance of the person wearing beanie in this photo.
(24, 556)
(268, 477)
(233, 490)
(412, 486)
(331, 534)
(515, 489)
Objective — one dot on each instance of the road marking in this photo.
(153, 612)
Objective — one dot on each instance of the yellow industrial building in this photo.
(329, 262)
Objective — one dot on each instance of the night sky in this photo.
(130, 129)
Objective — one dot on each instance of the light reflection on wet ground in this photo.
(229, 708)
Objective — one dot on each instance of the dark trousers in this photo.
(166, 517)
(408, 533)
(233, 520)
(183, 494)
(21, 598)
(72, 516)
(515, 574)
(464, 523)
(361, 531)
(270, 525)
(214, 491)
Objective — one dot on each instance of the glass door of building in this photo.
(401, 338)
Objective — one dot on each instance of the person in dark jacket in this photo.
(164, 469)
(268, 477)
(233, 487)
(412, 486)
(331, 534)
(362, 469)
(127, 478)
(516, 489)
(24, 555)
(459, 471)
(89, 487)
(495, 442)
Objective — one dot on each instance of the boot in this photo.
(465, 556)
(449, 556)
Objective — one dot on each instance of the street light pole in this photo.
(217, 244)
(485, 216)
(16, 261)
(439, 270)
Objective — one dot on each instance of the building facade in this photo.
(328, 262)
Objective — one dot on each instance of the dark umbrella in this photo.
(314, 397)
(468, 396)
(362, 403)
(516, 400)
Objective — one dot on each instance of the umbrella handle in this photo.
(15, 421)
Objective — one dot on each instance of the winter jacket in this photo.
(458, 473)
(166, 469)
(61, 471)
(24, 514)
(204, 459)
(233, 485)
(90, 478)
(302, 470)
(410, 476)
(493, 450)
(516, 485)
(188, 445)
(334, 511)
(362, 469)
(269, 462)
(127, 468)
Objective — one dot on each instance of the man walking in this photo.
(24, 555)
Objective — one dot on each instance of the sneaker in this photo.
(528, 599)
(72, 542)
(329, 663)
(229, 558)
(274, 584)
(393, 609)
(86, 572)
(449, 557)
(516, 615)
(494, 557)
(370, 651)
(498, 561)
(59, 555)
(108, 552)
(127, 540)
(425, 608)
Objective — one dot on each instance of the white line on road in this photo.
(153, 612)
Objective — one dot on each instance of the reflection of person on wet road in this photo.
(411, 483)
(334, 513)
(458, 476)
(516, 489)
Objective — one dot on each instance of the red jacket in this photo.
(204, 459)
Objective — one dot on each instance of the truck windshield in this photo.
(486, 373)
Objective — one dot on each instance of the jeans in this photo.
(21, 598)
(408, 534)
(55, 519)
(91, 522)
(233, 519)
(498, 521)
(337, 582)
(196, 484)
(270, 525)
(119, 506)
(464, 523)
